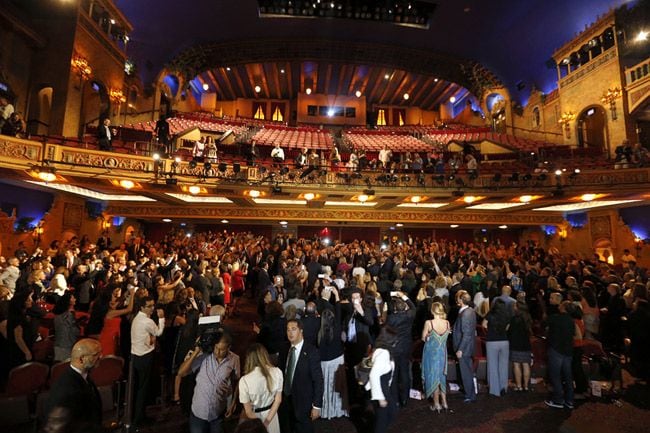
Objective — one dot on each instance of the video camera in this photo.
(210, 332)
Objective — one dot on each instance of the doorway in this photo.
(591, 129)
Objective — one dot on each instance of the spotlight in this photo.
(222, 167)
(192, 164)
(558, 172)
(451, 177)
(156, 156)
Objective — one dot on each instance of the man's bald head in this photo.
(85, 354)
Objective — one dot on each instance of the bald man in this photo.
(75, 391)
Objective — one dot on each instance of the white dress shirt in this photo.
(142, 329)
(381, 364)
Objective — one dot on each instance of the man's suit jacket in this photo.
(80, 397)
(307, 384)
(465, 332)
(103, 139)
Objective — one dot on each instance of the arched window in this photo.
(277, 115)
(537, 118)
(259, 114)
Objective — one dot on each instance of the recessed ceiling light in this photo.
(503, 227)
(358, 93)
(224, 221)
(258, 89)
(453, 226)
(399, 225)
(127, 184)
(308, 90)
(386, 77)
(166, 220)
(282, 71)
(452, 99)
(206, 86)
(112, 21)
(406, 96)
(283, 223)
(228, 68)
(588, 197)
(558, 172)
(435, 80)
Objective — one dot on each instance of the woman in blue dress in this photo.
(434, 357)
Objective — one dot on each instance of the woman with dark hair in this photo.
(332, 363)
(497, 347)
(238, 284)
(105, 318)
(21, 329)
(260, 389)
(272, 332)
(519, 333)
(381, 383)
(66, 329)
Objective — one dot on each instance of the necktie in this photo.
(291, 365)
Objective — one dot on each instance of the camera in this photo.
(210, 332)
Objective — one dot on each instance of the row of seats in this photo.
(27, 389)
(294, 138)
(376, 142)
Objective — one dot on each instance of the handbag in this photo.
(362, 370)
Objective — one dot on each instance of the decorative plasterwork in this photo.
(16, 149)
(329, 215)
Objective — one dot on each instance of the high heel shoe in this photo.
(435, 408)
(447, 410)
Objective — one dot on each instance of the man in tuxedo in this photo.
(105, 135)
(302, 395)
(74, 391)
(464, 335)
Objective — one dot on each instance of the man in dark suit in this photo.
(302, 395)
(105, 135)
(464, 335)
(75, 392)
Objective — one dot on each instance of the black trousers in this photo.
(403, 376)
(290, 422)
(141, 376)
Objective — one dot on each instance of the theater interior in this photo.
(545, 95)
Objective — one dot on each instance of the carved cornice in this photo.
(14, 150)
(348, 215)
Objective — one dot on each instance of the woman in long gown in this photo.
(434, 357)
(260, 389)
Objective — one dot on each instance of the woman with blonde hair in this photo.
(434, 357)
(260, 389)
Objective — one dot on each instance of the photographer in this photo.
(217, 372)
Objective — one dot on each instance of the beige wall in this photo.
(331, 100)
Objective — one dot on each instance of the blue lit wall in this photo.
(638, 219)
(29, 203)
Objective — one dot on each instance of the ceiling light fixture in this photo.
(386, 77)
(254, 193)
(452, 99)
(503, 227)
(406, 96)
(587, 197)
(224, 221)
(258, 89)
(362, 198)
(416, 199)
(127, 184)
(206, 86)
(454, 226)
(283, 223)
(309, 196)
(308, 90)
(166, 220)
(525, 198)
(469, 199)
(399, 225)
(194, 189)
(358, 93)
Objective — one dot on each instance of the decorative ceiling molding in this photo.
(356, 215)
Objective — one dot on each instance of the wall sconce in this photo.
(38, 231)
(609, 97)
(81, 67)
(565, 120)
(638, 245)
(562, 234)
(106, 224)
(116, 96)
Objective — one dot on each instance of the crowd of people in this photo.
(327, 313)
